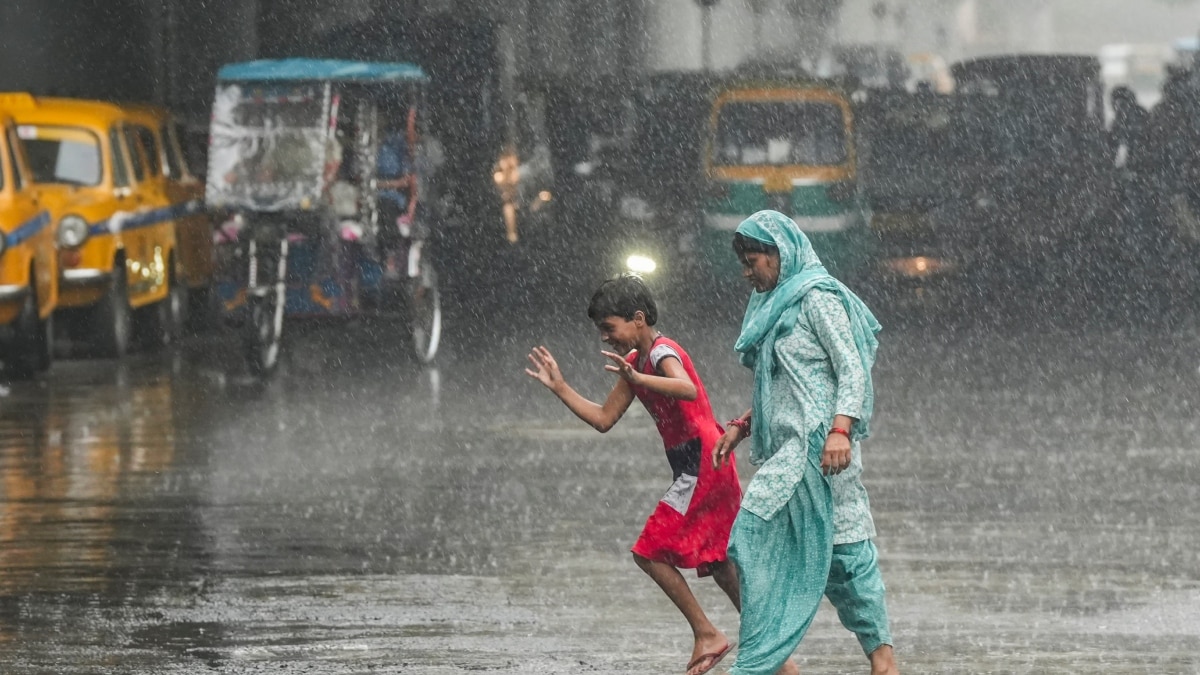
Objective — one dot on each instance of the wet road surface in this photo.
(1034, 485)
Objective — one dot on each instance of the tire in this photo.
(113, 317)
(204, 308)
(33, 338)
(161, 324)
(262, 338)
(425, 314)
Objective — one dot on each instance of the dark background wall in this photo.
(168, 51)
(76, 47)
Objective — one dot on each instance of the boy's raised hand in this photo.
(545, 368)
(621, 366)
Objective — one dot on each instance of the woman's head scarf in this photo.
(772, 315)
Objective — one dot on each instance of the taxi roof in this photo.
(25, 108)
(144, 113)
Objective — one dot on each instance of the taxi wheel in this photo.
(161, 324)
(114, 321)
(32, 342)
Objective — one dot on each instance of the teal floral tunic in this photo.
(818, 373)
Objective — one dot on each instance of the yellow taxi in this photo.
(193, 227)
(28, 264)
(116, 242)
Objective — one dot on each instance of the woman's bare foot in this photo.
(883, 661)
(708, 651)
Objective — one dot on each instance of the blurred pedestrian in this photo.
(395, 178)
(1137, 244)
(804, 529)
(690, 526)
(1127, 137)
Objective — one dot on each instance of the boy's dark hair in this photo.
(623, 296)
(743, 245)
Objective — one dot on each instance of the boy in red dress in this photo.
(690, 526)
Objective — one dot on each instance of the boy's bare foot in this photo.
(883, 661)
(789, 668)
(708, 652)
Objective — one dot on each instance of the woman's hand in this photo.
(725, 445)
(621, 366)
(545, 369)
(836, 457)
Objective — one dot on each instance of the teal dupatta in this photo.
(773, 314)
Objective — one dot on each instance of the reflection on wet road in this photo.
(1034, 490)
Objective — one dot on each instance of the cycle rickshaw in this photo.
(317, 170)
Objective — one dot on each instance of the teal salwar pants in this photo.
(783, 567)
(786, 564)
(856, 590)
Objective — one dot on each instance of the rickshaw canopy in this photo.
(334, 70)
(281, 127)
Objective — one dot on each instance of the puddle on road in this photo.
(152, 523)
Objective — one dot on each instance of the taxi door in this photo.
(147, 228)
(193, 229)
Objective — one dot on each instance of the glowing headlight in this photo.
(918, 267)
(72, 231)
(641, 264)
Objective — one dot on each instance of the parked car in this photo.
(119, 268)
(193, 224)
(28, 264)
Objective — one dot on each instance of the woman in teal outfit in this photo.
(804, 529)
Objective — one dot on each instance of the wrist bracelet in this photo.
(839, 430)
(740, 423)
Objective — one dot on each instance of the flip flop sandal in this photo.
(715, 659)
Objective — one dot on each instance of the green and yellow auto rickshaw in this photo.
(786, 146)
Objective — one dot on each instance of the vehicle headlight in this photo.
(641, 264)
(72, 231)
(919, 267)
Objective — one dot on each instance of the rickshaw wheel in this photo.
(261, 338)
(425, 314)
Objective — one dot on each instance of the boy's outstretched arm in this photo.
(600, 417)
(674, 381)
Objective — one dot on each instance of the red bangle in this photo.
(839, 430)
(740, 423)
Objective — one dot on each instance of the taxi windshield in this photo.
(751, 133)
(68, 155)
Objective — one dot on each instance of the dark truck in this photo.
(1031, 172)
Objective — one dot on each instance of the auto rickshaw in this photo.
(785, 144)
(117, 254)
(904, 160)
(28, 262)
(315, 166)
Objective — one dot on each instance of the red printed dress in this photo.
(690, 526)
